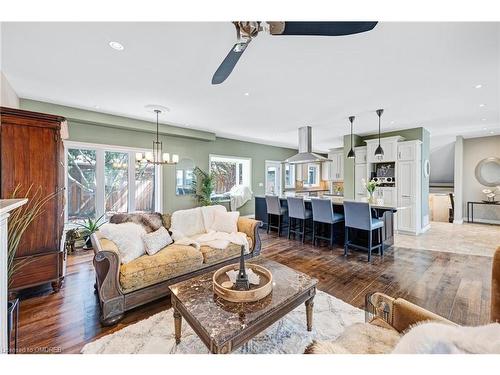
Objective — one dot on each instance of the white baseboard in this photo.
(426, 228)
(458, 221)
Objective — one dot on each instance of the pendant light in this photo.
(351, 154)
(379, 152)
(157, 157)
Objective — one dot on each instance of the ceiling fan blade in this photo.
(227, 66)
(325, 28)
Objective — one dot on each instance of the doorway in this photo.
(273, 177)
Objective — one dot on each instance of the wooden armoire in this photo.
(32, 153)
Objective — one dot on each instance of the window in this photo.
(289, 176)
(229, 171)
(312, 175)
(106, 179)
(81, 189)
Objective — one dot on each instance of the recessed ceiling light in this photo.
(478, 86)
(483, 119)
(246, 94)
(117, 46)
(485, 128)
(492, 132)
(482, 105)
(392, 122)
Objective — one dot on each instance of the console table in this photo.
(470, 209)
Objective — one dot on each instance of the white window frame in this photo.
(292, 175)
(210, 156)
(99, 199)
(316, 183)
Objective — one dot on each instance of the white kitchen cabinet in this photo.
(360, 155)
(407, 151)
(409, 190)
(360, 172)
(327, 171)
(388, 144)
(336, 169)
(387, 194)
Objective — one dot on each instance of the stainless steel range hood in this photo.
(305, 154)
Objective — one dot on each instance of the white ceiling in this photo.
(422, 74)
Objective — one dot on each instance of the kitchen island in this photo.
(383, 212)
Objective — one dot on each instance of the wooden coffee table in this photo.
(224, 326)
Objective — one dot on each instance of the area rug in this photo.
(289, 335)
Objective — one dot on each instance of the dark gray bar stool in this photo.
(322, 211)
(358, 216)
(297, 211)
(274, 208)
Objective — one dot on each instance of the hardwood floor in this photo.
(452, 285)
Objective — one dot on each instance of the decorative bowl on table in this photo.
(224, 288)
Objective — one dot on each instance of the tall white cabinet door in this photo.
(360, 171)
(406, 192)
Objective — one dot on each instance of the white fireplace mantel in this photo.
(6, 205)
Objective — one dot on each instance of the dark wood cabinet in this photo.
(32, 154)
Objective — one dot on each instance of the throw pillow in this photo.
(128, 239)
(208, 213)
(157, 240)
(225, 221)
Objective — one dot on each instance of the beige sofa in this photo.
(122, 287)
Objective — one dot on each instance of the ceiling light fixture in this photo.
(483, 119)
(482, 105)
(246, 94)
(478, 86)
(379, 152)
(351, 154)
(117, 46)
(157, 157)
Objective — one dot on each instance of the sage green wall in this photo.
(421, 134)
(198, 150)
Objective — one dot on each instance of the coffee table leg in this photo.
(178, 325)
(309, 313)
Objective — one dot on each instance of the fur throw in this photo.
(439, 338)
(359, 338)
(149, 221)
(128, 239)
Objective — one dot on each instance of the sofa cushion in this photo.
(186, 223)
(212, 255)
(174, 260)
(208, 213)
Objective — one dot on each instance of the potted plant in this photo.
(19, 221)
(370, 187)
(88, 227)
(203, 186)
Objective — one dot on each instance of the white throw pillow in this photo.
(225, 221)
(186, 223)
(128, 239)
(157, 240)
(208, 213)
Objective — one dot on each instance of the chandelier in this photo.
(157, 156)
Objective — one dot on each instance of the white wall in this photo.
(8, 97)
(475, 150)
(442, 163)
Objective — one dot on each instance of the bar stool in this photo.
(297, 211)
(273, 206)
(358, 216)
(322, 211)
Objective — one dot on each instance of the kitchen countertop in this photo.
(339, 201)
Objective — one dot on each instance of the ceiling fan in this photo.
(247, 30)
